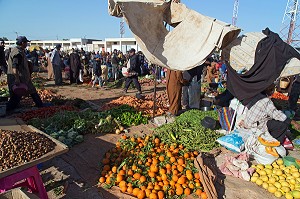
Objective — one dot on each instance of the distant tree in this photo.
(5, 38)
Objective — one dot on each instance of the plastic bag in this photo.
(233, 142)
(258, 151)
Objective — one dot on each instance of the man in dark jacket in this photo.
(75, 66)
(294, 95)
(134, 69)
(3, 65)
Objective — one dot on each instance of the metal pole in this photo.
(154, 97)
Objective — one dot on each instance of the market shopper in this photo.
(49, 64)
(97, 71)
(3, 65)
(175, 82)
(18, 73)
(114, 64)
(135, 70)
(294, 95)
(191, 94)
(75, 66)
(56, 63)
(263, 115)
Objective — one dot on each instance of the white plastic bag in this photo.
(81, 75)
(258, 151)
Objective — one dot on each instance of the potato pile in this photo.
(18, 147)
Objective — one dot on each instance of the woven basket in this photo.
(284, 82)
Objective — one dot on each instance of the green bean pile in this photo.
(188, 131)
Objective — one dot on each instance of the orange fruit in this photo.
(147, 191)
(180, 168)
(105, 161)
(188, 172)
(162, 171)
(136, 176)
(143, 179)
(151, 174)
(158, 178)
(198, 192)
(114, 169)
(175, 172)
(157, 187)
(181, 146)
(160, 195)
(148, 164)
(154, 161)
(135, 191)
(164, 177)
(172, 183)
(203, 195)
(102, 180)
(134, 167)
(130, 172)
(122, 183)
(165, 187)
(143, 187)
(179, 190)
(175, 178)
(172, 159)
(181, 180)
(196, 153)
(129, 189)
(122, 172)
(141, 194)
(108, 180)
(154, 168)
(169, 154)
(106, 167)
(186, 155)
(123, 189)
(161, 158)
(168, 166)
(119, 178)
(180, 161)
(187, 191)
(156, 140)
(152, 196)
(191, 186)
(189, 176)
(196, 175)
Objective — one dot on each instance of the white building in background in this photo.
(109, 44)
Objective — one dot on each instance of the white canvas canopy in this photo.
(192, 40)
(241, 54)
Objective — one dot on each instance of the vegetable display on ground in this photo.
(145, 106)
(146, 167)
(20, 147)
(187, 130)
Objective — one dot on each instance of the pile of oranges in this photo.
(147, 168)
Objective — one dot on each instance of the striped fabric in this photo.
(225, 117)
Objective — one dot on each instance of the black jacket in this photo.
(135, 64)
(2, 56)
(271, 55)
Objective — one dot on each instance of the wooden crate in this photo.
(18, 125)
(17, 194)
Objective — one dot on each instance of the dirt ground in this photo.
(75, 174)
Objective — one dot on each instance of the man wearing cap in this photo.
(3, 65)
(114, 63)
(18, 74)
(56, 63)
(134, 69)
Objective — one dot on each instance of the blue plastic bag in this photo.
(232, 142)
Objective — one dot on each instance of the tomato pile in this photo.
(147, 168)
(280, 96)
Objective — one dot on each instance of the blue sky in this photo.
(63, 19)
